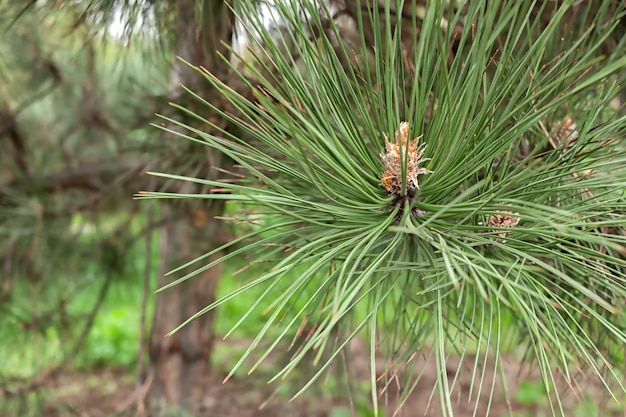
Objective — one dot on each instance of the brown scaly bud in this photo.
(391, 178)
(506, 219)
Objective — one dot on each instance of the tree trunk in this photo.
(179, 364)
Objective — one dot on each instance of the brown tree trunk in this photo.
(180, 364)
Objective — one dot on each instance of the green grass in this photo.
(114, 338)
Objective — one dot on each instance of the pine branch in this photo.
(505, 242)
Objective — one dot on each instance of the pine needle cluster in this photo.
(514, 238)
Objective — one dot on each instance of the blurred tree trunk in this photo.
(180, 364)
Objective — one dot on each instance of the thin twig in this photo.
(144, 303)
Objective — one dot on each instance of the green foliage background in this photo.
(77, 105)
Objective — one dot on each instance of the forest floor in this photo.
(107, 393)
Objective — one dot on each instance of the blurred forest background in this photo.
(80, 83)
(81, 331)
